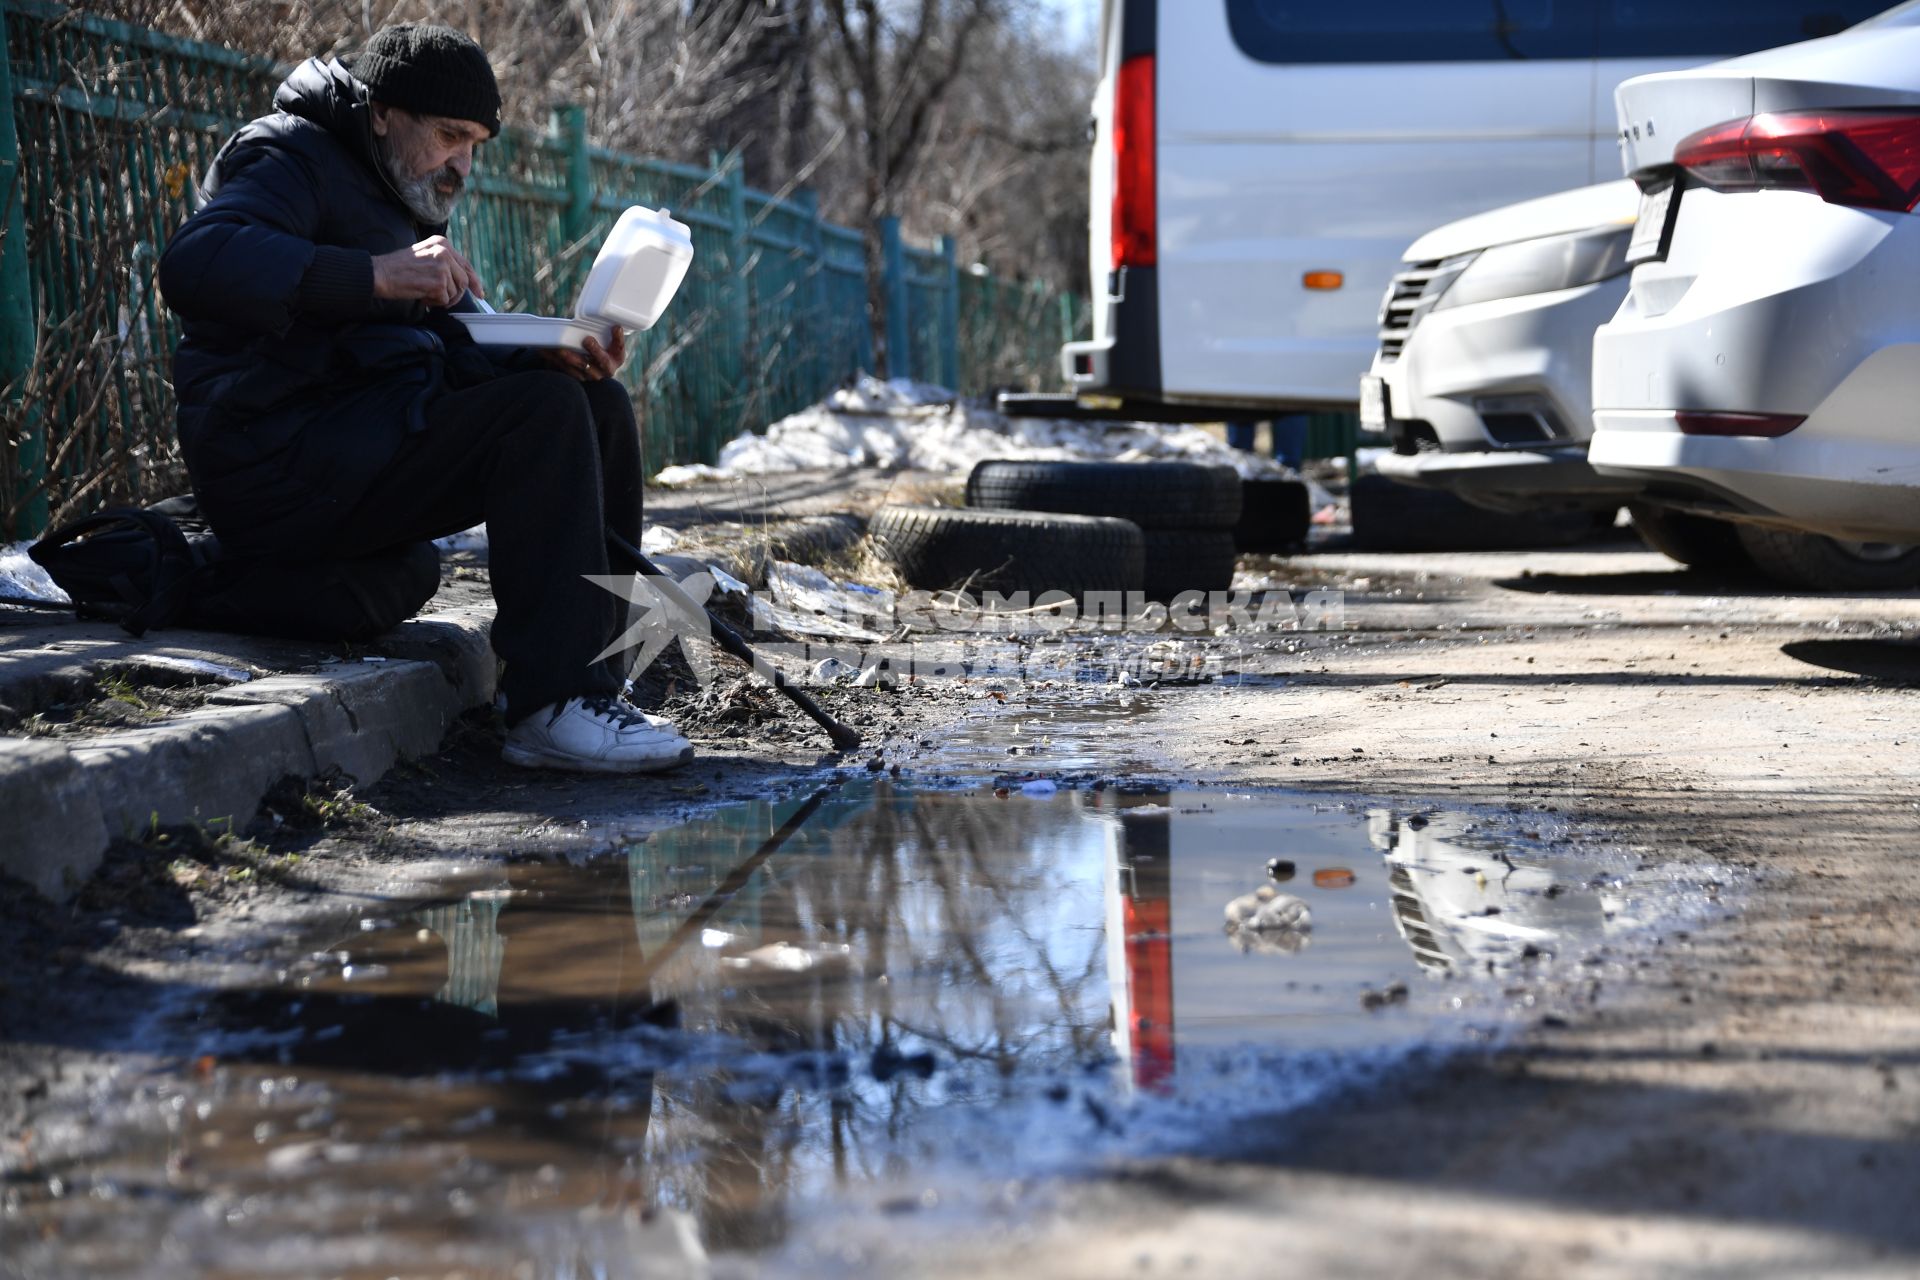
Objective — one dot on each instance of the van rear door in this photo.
(1304, 143)
(1298, 147)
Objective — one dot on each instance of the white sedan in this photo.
(1481, 383)
(1765, 366)
(1486, 347)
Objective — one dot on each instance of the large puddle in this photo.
(873, 1004)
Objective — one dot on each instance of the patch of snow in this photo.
(891, 425)
(656, 539)
(21, 577)
(870, 395)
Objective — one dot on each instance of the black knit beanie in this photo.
(431, 71)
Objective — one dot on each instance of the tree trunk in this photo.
(769, 80)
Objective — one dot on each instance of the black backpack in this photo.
(161, 566)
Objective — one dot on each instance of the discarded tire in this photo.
(1814, 563)
(1695, 541)
(1388, 516)
(1274, 515)
(1154, 495)
(1187, 560)
(939, 548)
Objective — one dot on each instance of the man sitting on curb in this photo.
(329, 406)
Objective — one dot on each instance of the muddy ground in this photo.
(1743, 1099)
(1747, 1104)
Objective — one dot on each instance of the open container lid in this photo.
(638, 270)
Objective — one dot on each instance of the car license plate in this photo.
(1373, 402)
(1653, 231)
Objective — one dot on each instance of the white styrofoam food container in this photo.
(635, 275)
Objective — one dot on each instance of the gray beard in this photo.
(422, 199)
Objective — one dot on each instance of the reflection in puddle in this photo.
(1056, 738)
(1461, 908)
(746, 1017)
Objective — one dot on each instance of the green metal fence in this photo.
(107, 122)
(1332, 435)
(1010, 333)
(922, 320)
(104, 128)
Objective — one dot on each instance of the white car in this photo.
(1482, 383)
(1765, 365)
(1486, 348)
(1258, 165)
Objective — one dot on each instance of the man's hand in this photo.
(595, 362)
(433, 272)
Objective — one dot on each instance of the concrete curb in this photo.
(64, 803)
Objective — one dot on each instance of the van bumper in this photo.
(1125, 362)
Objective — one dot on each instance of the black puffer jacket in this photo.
(296, 386)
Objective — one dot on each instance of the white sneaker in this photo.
(596, 735)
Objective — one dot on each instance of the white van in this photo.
(1259, 165)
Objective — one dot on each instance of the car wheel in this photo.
(1816, 563)
(938, 548)
(1188, 560)
(1154, 495)
(1699, 542)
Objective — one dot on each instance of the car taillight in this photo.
(1693, 422)
(1135, 243)
(1870, 159)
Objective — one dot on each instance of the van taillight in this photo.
(1134, 238)
(1869, 159)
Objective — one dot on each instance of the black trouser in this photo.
(549, 463)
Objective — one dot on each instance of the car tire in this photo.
(1389, 516)
(1815, 563)
(940, 548)
(1699, 542)
(1153, 495)
(1188, 560)
(1274, 515)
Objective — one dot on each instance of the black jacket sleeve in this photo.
(249, 258)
